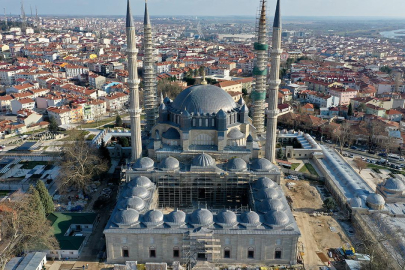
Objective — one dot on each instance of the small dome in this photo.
(135, 203)
(226, 217)
(356, 202)
(169, 164)
(276, 218)
(140, 192)
(203, 160)
(250, 217)
(236, 164)
(394, 184)
(375, 199)
(249, 138)
(141, 181)
(271, 205)
(202, 217)
(153, 216)
(167, 100)
(235, 134)
(144, 164)
(126, 217)
(262, 165)
(176, 217)
(171, 134)
(264, 182)
(267, 193)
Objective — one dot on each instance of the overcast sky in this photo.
(380, 8)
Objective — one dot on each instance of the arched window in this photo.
(176, 252)
(227, 253)
(125, 252)
(251, 253)
(152, 252)
(278, 253)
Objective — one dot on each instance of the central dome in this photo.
(204, 99)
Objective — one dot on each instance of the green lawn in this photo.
(102, 122)
(294, 166)
(73, 134)
(90, 137)
(308, 168)
(377, 169)
(31, 164)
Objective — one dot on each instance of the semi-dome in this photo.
(236, 164)
(267, 193)
(141, 181)
(226, 217)
(271, 205)
(132, 203)
(126, 217)
(262, 165)
(375, 199)
(264, 182)
(276, 218)
(140, 192)
(144, 164)
(169, 164)
(171, 134)
(394, 184)
(203, 160)
(235, 134)
(153, 216)
(202, 217)
(250, 217)
(204, 99)
(176, 217)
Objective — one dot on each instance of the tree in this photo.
(35, 202)
(343, 135)
(24, 229)
(362, 107)
(46, 199)
(350, 110)
(201, 70)
(53, 125)
(386, 69)
(360, 164)
(80, 163)
(280, 154)
(104, 153)
(123, 141)
(329, 203)
(118, 121)
(244, 91)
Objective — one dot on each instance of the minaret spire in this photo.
(149, 75)
(133, 83)
(5, 19)
(274, 83)
(260, 71)
(23, 18)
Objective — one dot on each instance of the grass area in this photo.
(91, 137)
(102, 122)
(74, 134)
(377, 169)
(308, 168)
(294, 166)
(36, 131)
(31, 164)
(4, 193)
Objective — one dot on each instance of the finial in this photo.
(203, 80)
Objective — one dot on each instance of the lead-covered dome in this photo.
(204, 99)
(153, 216)
(202, 217)
(236, 164)
(141, 181)
(176, 217)
(375, 200)
(144, 164)
(126, 217)
(226, 218)
(276, 218)
(394, 184)
(203, 160)
(271, 205)
(264, 182)
(140, 192)
(267, 193)
(262, 165)
(169, 164)
(250, 217)
(132, 203)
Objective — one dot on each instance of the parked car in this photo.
(353, 147)
(371, 152)
(351, 155)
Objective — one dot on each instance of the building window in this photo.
(152, 253)
(125, 252)
(176, 252)
(200, 122)
(277, 254)
(251, 253)
(227, 253)
(193, 122)
(206, 122)
(213, 122)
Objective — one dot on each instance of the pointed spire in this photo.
(203, 78)
(130, 19)
(146, 19)
(263, 12)
(161, 98)
(277, 16)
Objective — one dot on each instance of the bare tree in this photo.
(80, 164)
(360, 164)
(23, 229)
(343, 135)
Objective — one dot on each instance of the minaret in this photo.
(23, 19)
(5, 19)
(274, 83)
(260, 71)
(133, 83)
(149, 75)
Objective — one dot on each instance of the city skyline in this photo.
(354, 8)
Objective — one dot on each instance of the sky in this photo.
(369, 8)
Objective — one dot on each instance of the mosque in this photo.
(203, 192)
